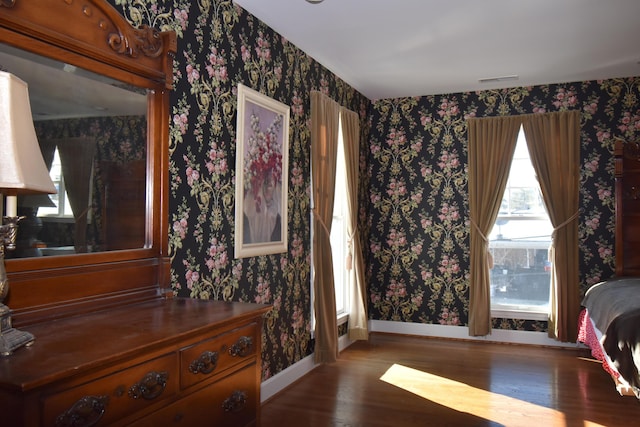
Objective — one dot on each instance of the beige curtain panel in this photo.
(553, 140)
(325, 115)
(48, 149)
(492, 142)
(76, 158)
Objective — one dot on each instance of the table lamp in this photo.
(22, 171)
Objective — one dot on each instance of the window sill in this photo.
(343, 318)
(57, 219)
(504, 313)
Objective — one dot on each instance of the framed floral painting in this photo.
(262, 151)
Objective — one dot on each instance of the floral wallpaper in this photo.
(419, 264)
(413, 176)
(219, 46)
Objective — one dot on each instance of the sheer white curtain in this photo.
(358, 329)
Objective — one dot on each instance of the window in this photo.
(62, 206)
(338, 238)
(339, 234)
(519, 243)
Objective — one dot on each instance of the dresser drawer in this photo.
(213, 356)
(232, 402)
(111, 397)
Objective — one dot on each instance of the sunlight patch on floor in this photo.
(461, 397)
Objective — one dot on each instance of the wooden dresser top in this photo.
(79, 345)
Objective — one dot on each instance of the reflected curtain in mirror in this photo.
(77, 156)
(48, 149)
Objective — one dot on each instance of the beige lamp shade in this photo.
(22, 168)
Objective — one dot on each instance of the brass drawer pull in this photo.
(205, 364)
(85, 412)
(150, 386)
(243, 347)
(235, 402)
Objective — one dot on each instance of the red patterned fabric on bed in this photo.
(610, 326)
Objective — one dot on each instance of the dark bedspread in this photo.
(608, 300)
(614, 307)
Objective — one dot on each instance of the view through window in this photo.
(519, 242)
(339, 230)
(60, 199)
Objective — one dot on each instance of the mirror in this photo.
(93, 135)
(121, 261)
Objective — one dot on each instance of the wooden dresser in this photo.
(112, 345)
(167, 362)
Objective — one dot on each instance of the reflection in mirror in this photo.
(92, 132)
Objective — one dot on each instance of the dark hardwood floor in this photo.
(414, 381)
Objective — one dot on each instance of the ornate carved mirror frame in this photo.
(92, 35)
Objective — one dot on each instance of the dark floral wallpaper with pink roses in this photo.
(419, 242)
(219, 46)
(413, 176)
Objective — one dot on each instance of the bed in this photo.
(609, 322)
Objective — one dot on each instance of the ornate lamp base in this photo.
(11, 339)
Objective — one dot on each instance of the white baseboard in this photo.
(462, 332)
(283, 379)
(293, 373)
(344, 342)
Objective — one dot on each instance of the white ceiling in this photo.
(397, 48)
